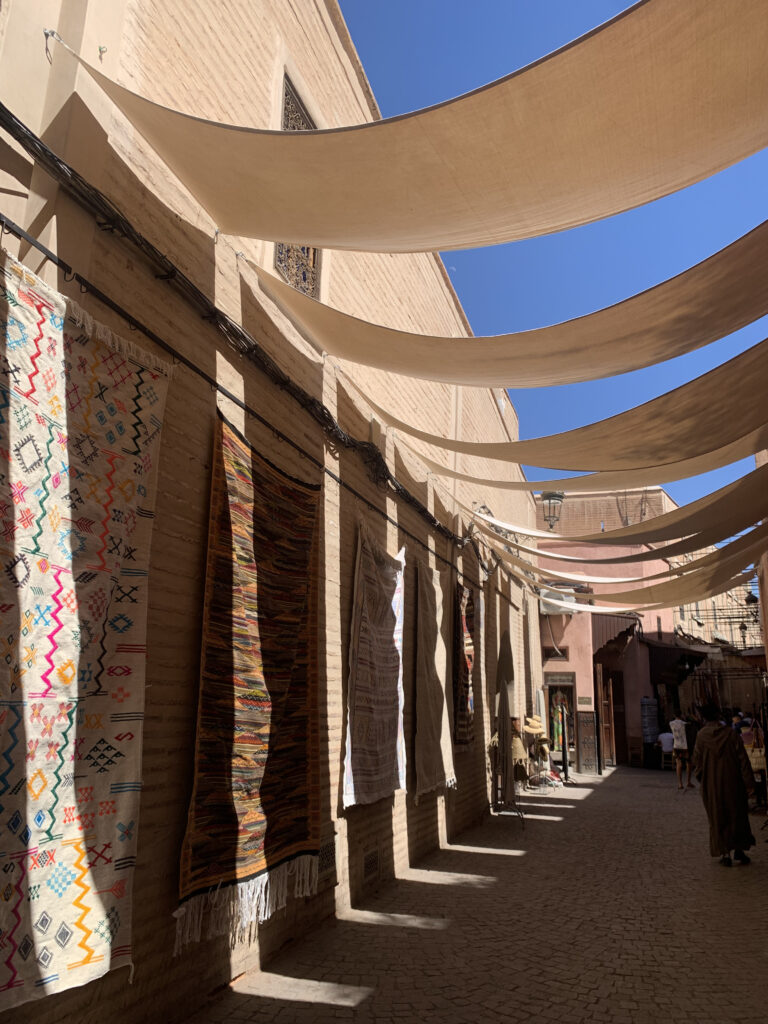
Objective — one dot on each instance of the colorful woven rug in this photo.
(374, 761)
(433, 749)
(254, 816)
(463, 663)
(80, 419)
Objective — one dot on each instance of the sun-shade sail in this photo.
(696, 542)
(729, 561)
(707, 302)
(664, 95)
(743, 447)
(707, 560)
(730, 508)
(693, 420)
(698, 591)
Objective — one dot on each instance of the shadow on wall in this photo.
(370, 840)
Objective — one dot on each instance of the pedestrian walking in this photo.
(723, 769)
(680, 751)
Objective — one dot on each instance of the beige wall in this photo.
(227, 61)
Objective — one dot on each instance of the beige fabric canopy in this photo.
(707, 302)
(694, 543)
(730, 508)
(745, 446)
(693, 420)
(664, 95)
(710, 558)
(704, 591)
(732, 560)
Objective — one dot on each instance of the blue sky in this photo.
(419, 52)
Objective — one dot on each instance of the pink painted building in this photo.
(616, 678)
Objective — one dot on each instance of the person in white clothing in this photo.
(681, 751)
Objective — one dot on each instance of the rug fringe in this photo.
(80, 318)
(235, 910)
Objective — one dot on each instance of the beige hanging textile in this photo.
(730, 508)
(707, 302)
(752, 442)
(667, 93)
(693, 420)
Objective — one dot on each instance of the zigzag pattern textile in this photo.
(254, 816)
(80, 420)
(374, 761)
(463, 663)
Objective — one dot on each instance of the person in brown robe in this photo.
(723, 769)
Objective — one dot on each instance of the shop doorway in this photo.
(560, 708)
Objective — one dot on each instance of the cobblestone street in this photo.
(606, 907)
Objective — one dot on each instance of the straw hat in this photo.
(534, 726)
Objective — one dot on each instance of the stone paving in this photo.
(606, 908)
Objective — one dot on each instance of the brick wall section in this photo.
(226, 61)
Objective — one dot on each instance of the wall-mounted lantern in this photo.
(551, 503)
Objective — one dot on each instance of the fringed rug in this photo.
(433, 749)
(374, 761)
(254, 816)
(80, 420)
(463, 663)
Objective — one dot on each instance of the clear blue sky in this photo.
(419, 52)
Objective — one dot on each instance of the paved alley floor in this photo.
(607, 907)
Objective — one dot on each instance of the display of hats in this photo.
(534, 726)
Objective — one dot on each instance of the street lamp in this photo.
(551, 502)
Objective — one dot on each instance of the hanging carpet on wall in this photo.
(374, 759)
(80, 419)
(253, 828)
(463, 665)
(707, 302)
(691, 421)
(664, 95)
(623, 479)
(433, 749)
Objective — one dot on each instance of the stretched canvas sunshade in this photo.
(696, 584)
(664, 95)
(693, 543)
(711, 300)
(735, 506)
(693, 420)
(754, 441)
(684, 568)
(81, 414)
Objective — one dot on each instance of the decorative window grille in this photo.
(298, 264)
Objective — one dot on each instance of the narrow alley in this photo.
(606, 907)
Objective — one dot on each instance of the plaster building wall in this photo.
(228, 61)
